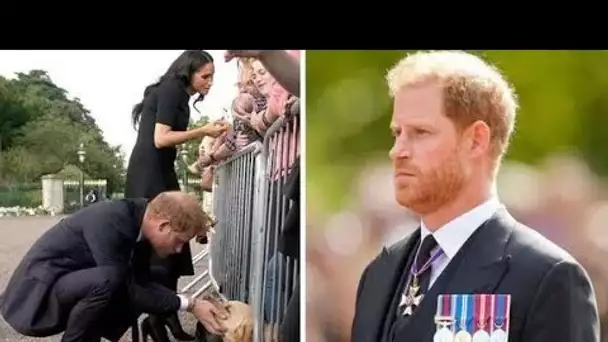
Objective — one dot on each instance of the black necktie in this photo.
(420, 275)
(424, 254)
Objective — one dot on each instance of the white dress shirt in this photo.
(451, 236)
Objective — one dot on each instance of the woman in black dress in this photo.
(162, 119)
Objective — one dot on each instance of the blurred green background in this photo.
(562, 98)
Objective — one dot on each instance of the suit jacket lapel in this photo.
(383, 281)
(478, 267)
(484, 262)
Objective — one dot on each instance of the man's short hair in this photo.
(182, 210)
(472, 89)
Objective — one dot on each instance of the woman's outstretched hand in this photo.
(215, 129)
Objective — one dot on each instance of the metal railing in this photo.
(234, 207)
(250, 209)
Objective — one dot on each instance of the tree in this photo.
(41, 130)
(190, 146)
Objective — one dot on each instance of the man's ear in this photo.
(163, 224)
(478, 136)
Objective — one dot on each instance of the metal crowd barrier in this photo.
(276, 273)
(250, 208)
(233, 196)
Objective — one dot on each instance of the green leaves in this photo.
(41, 129)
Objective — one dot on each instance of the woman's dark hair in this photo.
(182, 69)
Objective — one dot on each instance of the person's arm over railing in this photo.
(284, 67)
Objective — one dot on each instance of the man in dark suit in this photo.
(452, 120)
(89, 274)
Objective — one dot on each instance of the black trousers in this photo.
(93, 304)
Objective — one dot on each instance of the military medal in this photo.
(501, 318)
(463, 314)
(499, 335)
(444, 320)
(411, 298)
(463, 336)
(481, 335)
(444, 334)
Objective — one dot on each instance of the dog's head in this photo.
(239, 323)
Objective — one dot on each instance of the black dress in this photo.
(152, 170)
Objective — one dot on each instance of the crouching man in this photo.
(89, 276)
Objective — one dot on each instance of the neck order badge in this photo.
(411, 298)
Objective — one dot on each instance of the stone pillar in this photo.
(52, 193)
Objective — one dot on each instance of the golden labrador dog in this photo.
(239, 324)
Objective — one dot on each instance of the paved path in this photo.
(16, 236)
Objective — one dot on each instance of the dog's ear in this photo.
(242, 334)
(202, 335)
(248, 333)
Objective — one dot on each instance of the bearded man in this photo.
(471, 272)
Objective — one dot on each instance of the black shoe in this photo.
(155, 329)
(172, 322)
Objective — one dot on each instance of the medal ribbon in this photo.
(480, 305)
(439, 317)
(507, 312)
(453, 313)
(461, 317)
(470, 304)
(492, 311)
(440, 304)
(434, 256)
(501, 318)
(445, 308)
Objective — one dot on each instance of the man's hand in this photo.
(209, 315)
(231, 54)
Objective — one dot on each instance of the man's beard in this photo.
(427, 192)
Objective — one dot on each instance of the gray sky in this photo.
(109, 83)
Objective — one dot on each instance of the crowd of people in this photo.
(116, 260)
(260, 102)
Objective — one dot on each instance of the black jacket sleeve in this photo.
(153, 298)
